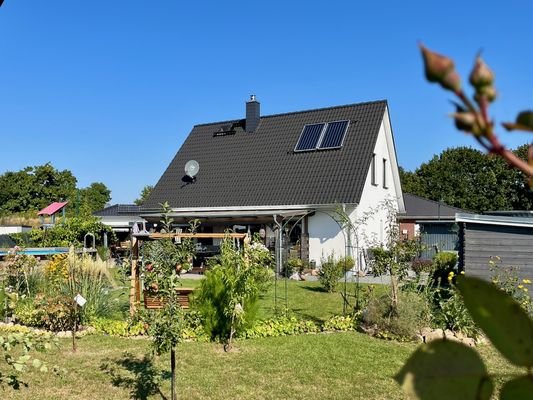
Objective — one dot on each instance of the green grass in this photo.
(308, 300)
(305, 299)
(325, 366)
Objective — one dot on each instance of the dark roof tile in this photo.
(261, 168)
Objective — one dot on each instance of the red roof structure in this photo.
(52, 208)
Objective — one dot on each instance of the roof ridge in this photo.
(297, 112)
(434, 201)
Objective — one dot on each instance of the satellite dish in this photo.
(191, 168)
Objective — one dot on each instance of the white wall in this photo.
(325, 236)
(6, 230)
(373, 195)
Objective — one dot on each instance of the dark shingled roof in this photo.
(417, 207)
(119, 209)
(262, 169)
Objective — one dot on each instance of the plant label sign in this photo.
(80, 300)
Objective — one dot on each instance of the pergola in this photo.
(136, 239)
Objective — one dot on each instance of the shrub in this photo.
(339, 323)
(228, 295)
(444, 263)
(53, 313)
(419, 266)
(412, 314)
(452, 313)
(293, 265)
(92, 279)
(56, 271)
(115, 327)
(18, 268)
(212, 302)
(330, 273)
(506, 279)
(279, 326)
(345, 264)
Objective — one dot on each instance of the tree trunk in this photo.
(173, 394)
(227, 347)
(394, 294)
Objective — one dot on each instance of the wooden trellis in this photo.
(135, 283)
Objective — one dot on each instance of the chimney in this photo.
(252, 114)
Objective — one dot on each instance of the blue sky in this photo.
(110, 89)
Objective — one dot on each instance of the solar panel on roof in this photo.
(309, 137)
(334, 135)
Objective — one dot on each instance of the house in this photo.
(283, 176)
(120, 218)
(506, 237)
(432, 221)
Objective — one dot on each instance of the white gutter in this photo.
(494, 220)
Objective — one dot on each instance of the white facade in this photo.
(382, 182)
(8, 229)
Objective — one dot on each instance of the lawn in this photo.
(324, 366)
(305, 299)
(321, 366)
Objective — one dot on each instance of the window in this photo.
(385, 173)
(373, 170)
(322, 136)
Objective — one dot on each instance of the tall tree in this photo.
(145, 193)
(33, 188)
(93, 198)
(464, 177)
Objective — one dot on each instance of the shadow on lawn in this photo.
(318, 289)
(140, 375)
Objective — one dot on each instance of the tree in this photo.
(93, 198)
(33, 188)
(145, 193)
(464, 177)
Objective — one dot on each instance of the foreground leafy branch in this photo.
(472, 115)
(443, 369)
(16, 349)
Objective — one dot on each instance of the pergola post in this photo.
(135, 283)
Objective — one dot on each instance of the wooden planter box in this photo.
(154, 302)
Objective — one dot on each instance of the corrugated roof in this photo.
(417, 207)
(52, 208)
(261, 168)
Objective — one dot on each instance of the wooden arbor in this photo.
(135, 283)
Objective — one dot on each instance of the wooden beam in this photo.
(198, 235)
(134, 283)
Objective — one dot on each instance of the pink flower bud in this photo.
(481, 74)
(451, 81)
(486, 92)
(466, 121)
(436, 66)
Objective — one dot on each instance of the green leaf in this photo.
(36, 363)
(24, 359)
(445, 370)
(518, 389)
(523, 122)
(505, 323)
(18, 367)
